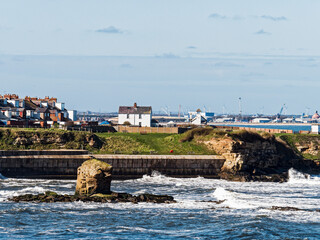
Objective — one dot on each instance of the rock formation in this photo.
(93, 185)
(51, 197)
(249, 156)
(93, 177)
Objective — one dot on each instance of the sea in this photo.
(295, 127)
(205, 209)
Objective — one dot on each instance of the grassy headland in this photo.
(190, 142)
(102, 143)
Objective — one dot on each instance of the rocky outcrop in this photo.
(310, 146)
(250, 156)
(93, 177)
(51, 197)
(93, 185)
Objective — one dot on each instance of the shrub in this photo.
(127, 123)
(189, 135)
(247, 136)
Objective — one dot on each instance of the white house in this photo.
(135, 115)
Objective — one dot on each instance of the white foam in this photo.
(231, 199)
(35, 189)
(296, 177)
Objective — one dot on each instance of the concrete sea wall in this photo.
(63, 164)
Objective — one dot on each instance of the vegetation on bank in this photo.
(102, 143)
(306, 145)
(191, 142)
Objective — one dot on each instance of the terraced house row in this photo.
(32, 111)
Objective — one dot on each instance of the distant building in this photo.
(31, 110)
(199, 118)
(224, 119)
(260, 120)
(135, 115)
(289, 120)
(315, 116)
(315, 128)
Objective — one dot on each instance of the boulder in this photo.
(94, 176)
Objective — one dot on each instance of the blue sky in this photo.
(97, 55)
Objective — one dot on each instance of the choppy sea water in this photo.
(245, 213)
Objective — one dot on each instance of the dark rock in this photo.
(50, 197)
(286, 208)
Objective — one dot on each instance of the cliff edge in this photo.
(254, 157)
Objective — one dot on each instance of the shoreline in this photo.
(262, 124)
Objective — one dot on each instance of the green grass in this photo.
(41, 139)
(159, 143)
(301, 139)
(108, 143)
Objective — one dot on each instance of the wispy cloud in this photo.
(192, 47)
(110, 30)
(239, 17)
(262, 32)
(167, 55)
(227, 64)
(217, 16)
(272, 18)
(225, 17)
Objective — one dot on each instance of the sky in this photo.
(99, 54)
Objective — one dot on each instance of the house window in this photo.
(127, 115)
(140, 116)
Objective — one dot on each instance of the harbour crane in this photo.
(166, 110)
(240, 109)
(281, 110)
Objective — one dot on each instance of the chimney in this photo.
(135, 105)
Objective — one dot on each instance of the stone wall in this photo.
(129, 129)
(64, 164)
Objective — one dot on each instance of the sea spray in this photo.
(231, 199)
(296, 177)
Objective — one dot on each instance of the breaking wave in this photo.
(296, 177)
(232, 199)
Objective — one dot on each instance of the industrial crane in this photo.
(281, 110)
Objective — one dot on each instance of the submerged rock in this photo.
(94, 176)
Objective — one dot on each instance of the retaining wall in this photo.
(129, 129)
(54, 164)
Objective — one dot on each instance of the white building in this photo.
(199, 118)
(72, 115)
(135, 115)
(261, 120)
(315, 128)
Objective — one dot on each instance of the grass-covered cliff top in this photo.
(155, 143)
(102, 143)
(306, 145)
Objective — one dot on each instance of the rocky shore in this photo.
(257, 157)
(93, 185)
